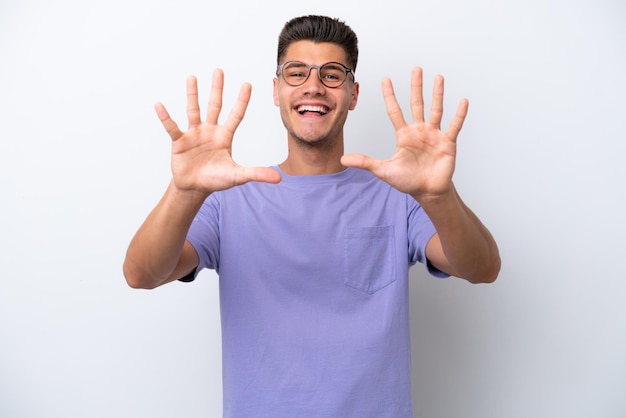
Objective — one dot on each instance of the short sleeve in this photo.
(420, 231)
(203, 235)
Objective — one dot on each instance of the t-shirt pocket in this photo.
(370, 259)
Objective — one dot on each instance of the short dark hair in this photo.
(319, 29)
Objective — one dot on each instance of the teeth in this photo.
(319, 109)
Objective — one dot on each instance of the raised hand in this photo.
(201, 156)
(425, 156)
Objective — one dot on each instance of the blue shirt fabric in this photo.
(313, 278)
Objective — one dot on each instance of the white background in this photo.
(83, 159)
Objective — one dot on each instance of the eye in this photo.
(295, 70)
(332, 72)
(295, 74)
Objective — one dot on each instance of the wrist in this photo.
(437, 200)
(186, 196)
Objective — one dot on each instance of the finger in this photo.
(239, 109)
(215, 101)
(169, 125)
(391, 103)
(417, 97)
(436, 109)
(193, 109)
(361, 161)
(264, 174)
(459, 118)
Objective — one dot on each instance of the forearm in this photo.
(468, 248)
(156, 249)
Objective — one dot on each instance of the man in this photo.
(313, 254)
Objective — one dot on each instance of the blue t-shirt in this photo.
(313, 278)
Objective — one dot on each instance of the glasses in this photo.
(331, 74)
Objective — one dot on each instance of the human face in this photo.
(313, 114)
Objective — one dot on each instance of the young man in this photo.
(313, 254)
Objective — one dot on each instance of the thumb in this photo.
(262, 174)
(360, 161)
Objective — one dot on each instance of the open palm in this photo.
(202, 156)
(425, 156)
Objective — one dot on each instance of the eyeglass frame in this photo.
(279, 72)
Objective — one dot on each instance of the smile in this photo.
(322, 110)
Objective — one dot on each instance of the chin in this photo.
(312, 141)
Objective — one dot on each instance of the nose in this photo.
(314, 81)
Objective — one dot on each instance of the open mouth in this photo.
(320, 110)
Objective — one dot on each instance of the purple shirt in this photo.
(314, 295)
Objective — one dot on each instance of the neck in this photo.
(312, 161)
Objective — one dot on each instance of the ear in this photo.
(355, 96)
(276, 101)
